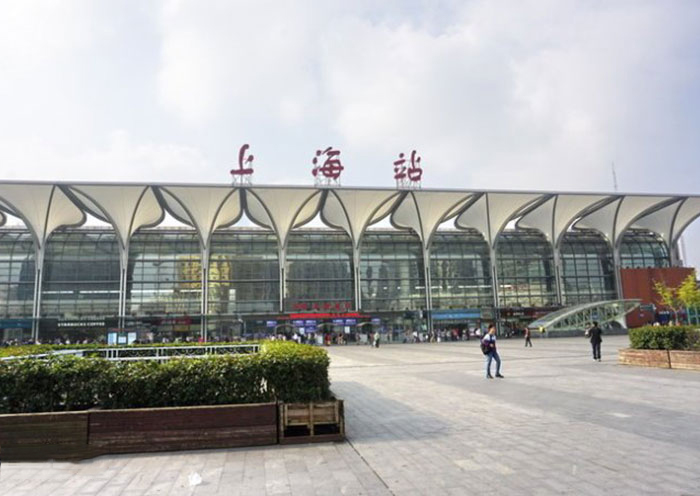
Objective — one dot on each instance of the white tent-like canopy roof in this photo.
(44, 207)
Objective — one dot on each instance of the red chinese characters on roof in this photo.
(245, 166)
(329, 171)
(408, 175)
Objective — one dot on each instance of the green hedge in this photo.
(665, 338)
(281, 371)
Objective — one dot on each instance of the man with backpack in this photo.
(488, 348)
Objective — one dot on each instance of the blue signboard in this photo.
(376, 321)
(350, 321)
(338, 322)
(309, 323)
(15, 323)
(298, 323)
(270, 323)
(460, 314)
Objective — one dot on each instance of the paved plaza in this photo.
(422, 419)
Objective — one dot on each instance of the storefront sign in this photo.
(270, 323)
(466, 314)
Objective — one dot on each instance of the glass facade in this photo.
(319, 272)
(643, 249)
(525, 269)
(16, 274)
(588, 272)
(459, 271)
(81, 275)
(164, 277)
(243, 273)
(165, 273)
(391, 272)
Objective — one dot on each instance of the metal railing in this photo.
(131, 353)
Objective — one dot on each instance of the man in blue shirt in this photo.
(489, 344)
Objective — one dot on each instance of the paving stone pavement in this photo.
(422, 419)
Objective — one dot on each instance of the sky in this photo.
(543, 95)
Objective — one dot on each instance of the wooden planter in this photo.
(78, 435)
(182, 428)
(44, 436)
(688, 360)
(644, 358)
(311, 422)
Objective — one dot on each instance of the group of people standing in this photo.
(488, 346)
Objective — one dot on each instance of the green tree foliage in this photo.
(688, 292)
(669, 297)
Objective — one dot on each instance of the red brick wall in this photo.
(639, 283)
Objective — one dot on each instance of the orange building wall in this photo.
(639, 283)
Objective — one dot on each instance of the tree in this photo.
(688, 292)
(669, 297)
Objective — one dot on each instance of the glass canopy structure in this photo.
(441, 254)
(608, 314)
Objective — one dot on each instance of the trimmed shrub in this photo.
(296, 372)
(664, 338)
(281, 371)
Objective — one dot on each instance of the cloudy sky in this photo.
(511, 95)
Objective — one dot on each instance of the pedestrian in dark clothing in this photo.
(528, 341)
(595, 334)
(489, 343)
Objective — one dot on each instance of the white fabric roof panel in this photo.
(687, 213)
(660, 221)
(355, 210)
(554, 217)
(278, 208)
(424, 211)
(42, 207)
(634, 207)
(491, 213)
(206, 207)
(126, 208)
(601, 220)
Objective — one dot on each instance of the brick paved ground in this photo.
(422, 419)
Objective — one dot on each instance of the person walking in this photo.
(595, 333)
(377, 337)
(488, 347)
(528, 341)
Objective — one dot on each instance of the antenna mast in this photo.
(614, 177)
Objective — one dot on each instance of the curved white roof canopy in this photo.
(43, 208)
(660, 221)
(613, 219)
(491, 212)
(282, 209)
(126, 208)
(687, 213)
(554, 216)
(424, 211)
(355, 210)
(206, 208)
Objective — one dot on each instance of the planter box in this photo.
(311, 422)
(645, 358)
(182, 428)
(689, 360)
(44, 436)
(79, 435)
